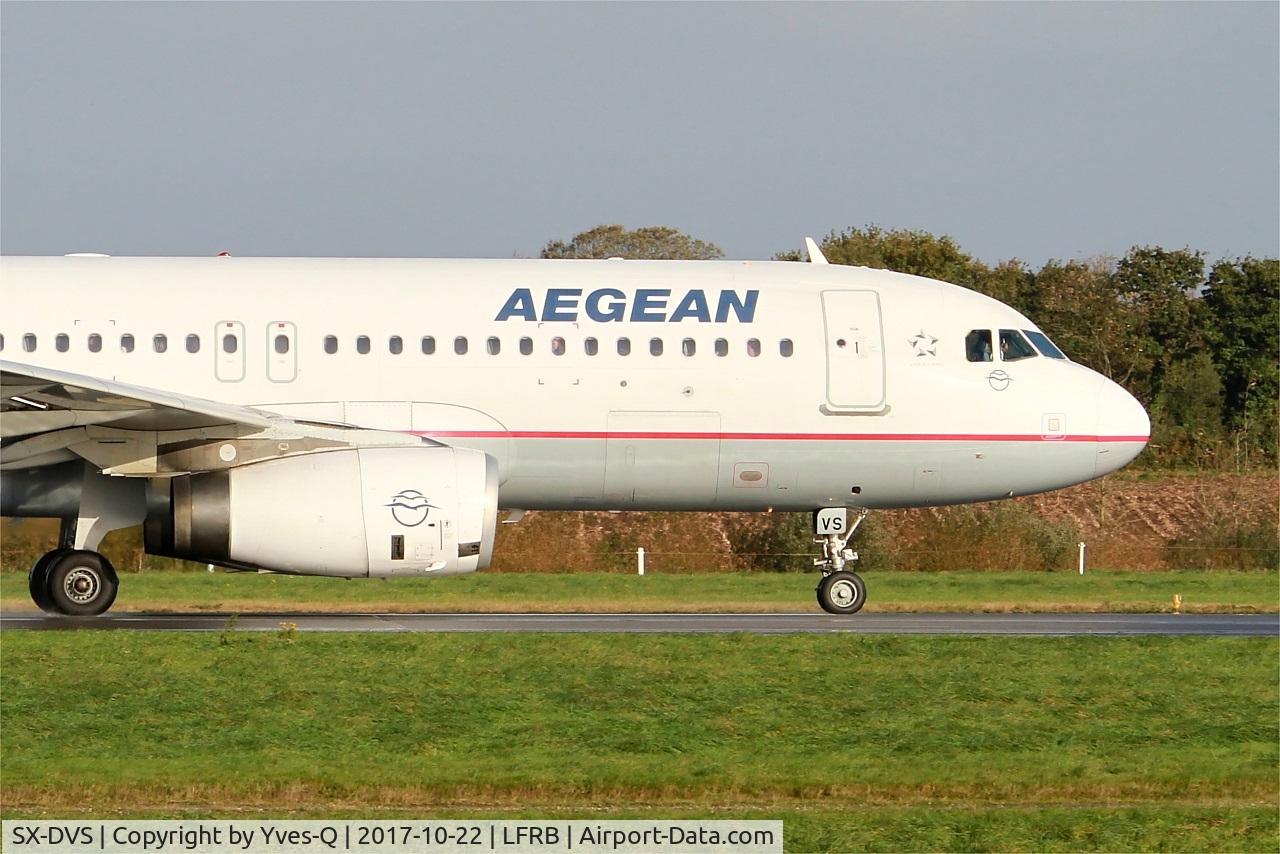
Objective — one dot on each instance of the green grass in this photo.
(891, 743)
(1099, 590)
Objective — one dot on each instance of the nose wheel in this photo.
(842, 593)
(73, 582)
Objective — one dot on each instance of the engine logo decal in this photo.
(410, 507)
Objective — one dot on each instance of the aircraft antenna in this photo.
(815, 254)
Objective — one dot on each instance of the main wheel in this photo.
(81, 583)
(38, 580)
(842, 593)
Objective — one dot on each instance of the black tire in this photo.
(38, 581)
(81, 583)
(842, 593)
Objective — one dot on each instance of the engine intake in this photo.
(375, 512)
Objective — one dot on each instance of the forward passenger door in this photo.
(855, 351)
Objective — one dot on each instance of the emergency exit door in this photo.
(228, 342)
(855, 351)
(282, 352)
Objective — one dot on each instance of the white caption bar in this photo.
(424, 836)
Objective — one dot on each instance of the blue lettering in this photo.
(519, 304)
(614, 311)
(647, 302)
(693, 305)
(561, 304)
(745, 310)
(609, 305)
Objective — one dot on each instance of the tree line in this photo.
(1197, 343)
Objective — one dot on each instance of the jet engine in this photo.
(367, 512)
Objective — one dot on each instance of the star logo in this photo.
(924, 344)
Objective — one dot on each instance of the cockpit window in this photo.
(1044, 345)
(1013, 346)
(977, 345)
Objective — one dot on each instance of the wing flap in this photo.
(133, 430)
(28, 390)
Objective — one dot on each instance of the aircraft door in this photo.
(855, 351)
(228, 342)
(282, 352)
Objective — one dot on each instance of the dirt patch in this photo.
(309, 798)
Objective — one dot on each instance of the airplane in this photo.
(371, 418)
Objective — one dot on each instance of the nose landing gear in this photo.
(839, 591)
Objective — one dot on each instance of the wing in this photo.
(49, 416)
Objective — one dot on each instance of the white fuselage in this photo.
(876, 405)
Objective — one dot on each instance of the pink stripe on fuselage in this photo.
(769, 437)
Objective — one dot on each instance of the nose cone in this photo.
(1123, 427)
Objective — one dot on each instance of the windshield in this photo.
(1044, 345)
(1014, 347)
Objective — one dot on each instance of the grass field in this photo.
(1102, 590)
(887, 743)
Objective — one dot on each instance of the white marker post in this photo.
(640, 560)
(1082, 558)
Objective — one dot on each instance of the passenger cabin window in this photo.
(362, 345)
(557, 346)
(655, 346)
(331, 344)
(29, 342)
(591, 346)
(95, 343)
(1044, 345)
(460, 345)
(281, 344)
(231, 343)
(753, 347)
(493, 346)
(160, 343)
(62, 342)
(428, 345)
(624, 346)
(786, 348)
(722, 346)
(1, 341)
(688, 346)
(1014, 347)
(126, 343)
(193, 343)
(526, 346)
(977, 345)
(395, 344)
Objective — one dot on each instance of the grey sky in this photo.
(1025, 130)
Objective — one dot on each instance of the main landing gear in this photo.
(75, 579)
(75, 582)
(839, 591)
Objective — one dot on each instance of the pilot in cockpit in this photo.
(977, 345)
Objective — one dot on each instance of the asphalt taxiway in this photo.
(1218, 625)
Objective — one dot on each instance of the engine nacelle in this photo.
(375, 512)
